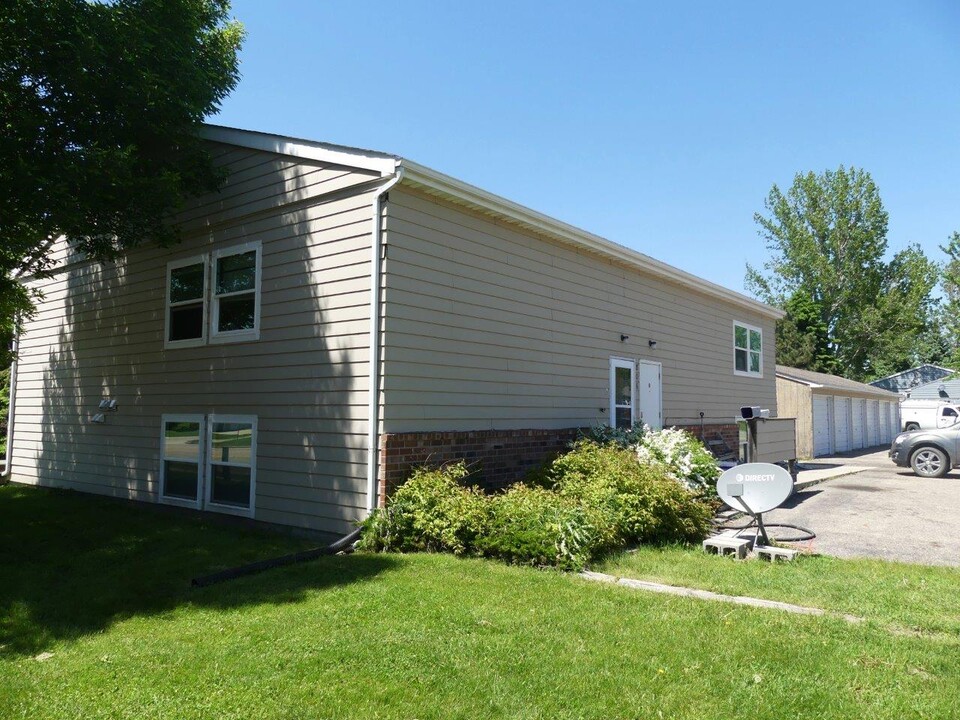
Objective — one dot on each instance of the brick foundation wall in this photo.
(496, 458)
(730, 434)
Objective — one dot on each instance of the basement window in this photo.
(180, 461)
(231, 449)
(208, 462)
(747, 350)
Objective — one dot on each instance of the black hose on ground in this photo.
(808, 534)
(304, 555)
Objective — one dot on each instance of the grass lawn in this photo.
(104, 587)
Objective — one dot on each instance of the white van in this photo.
(928, 414)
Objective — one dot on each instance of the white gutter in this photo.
(373, 406)
(7, 462)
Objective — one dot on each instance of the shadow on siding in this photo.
(311, 458)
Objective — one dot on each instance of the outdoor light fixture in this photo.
(652, 343)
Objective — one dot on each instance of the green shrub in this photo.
(606, 435)
(4, 408)
(628, 501)
(683, 455)
(432, 511)
(535, 526)
(598, 497)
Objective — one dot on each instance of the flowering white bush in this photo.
(684, 457)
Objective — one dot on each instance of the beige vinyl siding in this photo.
(488, 326)
(795, 400)
(776, 440)
(99, 333)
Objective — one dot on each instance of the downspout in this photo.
(8, 460)
(373, 407)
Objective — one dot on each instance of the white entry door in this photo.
(651, 394)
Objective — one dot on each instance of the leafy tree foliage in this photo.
(849, 311)
(950, 284)
(100, 105)
(802, 339)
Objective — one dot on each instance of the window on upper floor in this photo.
(747, 350)
(236, 296)
(186, 302)
(221, 290)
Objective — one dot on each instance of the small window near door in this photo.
(180, 459)
(622, 389)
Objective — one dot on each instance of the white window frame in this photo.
(201, 462)
(208, 468)
(216, 336)
(749, 328)
(631, 365)
(171, 266)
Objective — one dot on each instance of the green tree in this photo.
(827, 238)
(802, 339)
(100, 105)
(950, 285)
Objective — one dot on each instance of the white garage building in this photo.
(835, 414)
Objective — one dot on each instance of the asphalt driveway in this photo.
(881, 511)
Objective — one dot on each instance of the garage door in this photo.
(895, 427)
(884, 421)
(822, 425)
(857, 425)
(841, 424)
(873, 423)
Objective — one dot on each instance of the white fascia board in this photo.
(471, 196)
(308, 149)
(809, 384)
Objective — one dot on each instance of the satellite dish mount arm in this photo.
(761, 530)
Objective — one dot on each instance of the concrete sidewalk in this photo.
(813, 472)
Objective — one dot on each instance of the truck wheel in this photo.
(910, 426)
(930, 462)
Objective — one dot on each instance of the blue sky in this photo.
(661, 126)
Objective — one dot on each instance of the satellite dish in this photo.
(755, 487)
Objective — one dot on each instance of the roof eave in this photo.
(419, 176)
(791, 378)
(381, 163)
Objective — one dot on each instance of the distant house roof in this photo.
(920, 375)
(932, 391)
(832, 382)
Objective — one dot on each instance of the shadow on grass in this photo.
(74, 564)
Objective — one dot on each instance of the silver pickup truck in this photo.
(929, 453)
